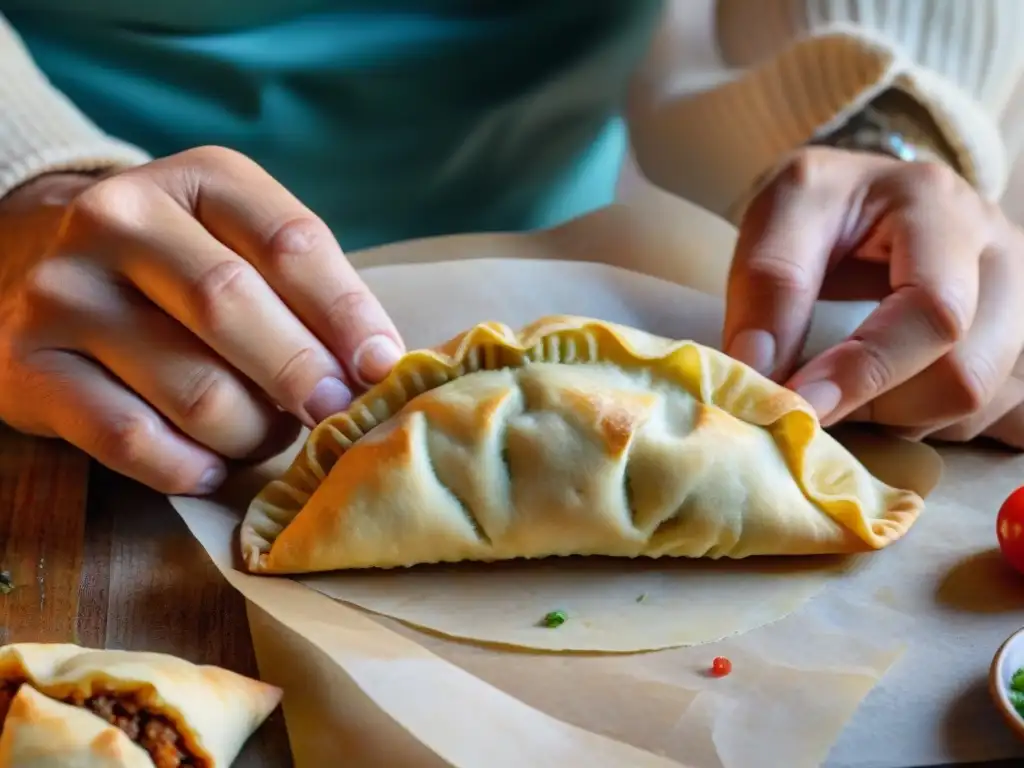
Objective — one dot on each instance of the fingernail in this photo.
(211, 480)
(756, 348)
(329, 397)
(823, 397)
(374, 359)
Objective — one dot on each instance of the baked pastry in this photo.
(122, 708)
(573, 437)
(40, 732)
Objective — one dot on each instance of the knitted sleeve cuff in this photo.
(41, 131)
(715, 146)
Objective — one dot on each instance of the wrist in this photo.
(895, 125)
(50, 190)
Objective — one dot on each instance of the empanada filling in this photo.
(152, 731)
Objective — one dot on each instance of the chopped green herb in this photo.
(555, 619)
(1017, 681)
(6, 583)
(1016, 691)
(642, 597)
(1017, 699)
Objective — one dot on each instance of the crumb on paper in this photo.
(554, 619)
(642, 597)
(6, 583)
(720, 666)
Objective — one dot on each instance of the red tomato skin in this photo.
(1010, 529)
(721, 666)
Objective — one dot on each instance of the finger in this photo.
(934, 274)
(1006, 400)
(1009, 430)
(173, 371)
(87, 407)
(299, 257)
(782, 253)
(966, 380)
(211, 291)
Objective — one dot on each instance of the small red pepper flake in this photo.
(720, 667)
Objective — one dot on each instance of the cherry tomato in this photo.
(721, 666)
(1010, 529)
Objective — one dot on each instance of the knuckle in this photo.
(937, 178)
(806, 168)
(212, 155)
(296, 238)
(973, 380)
(769, 271)
(219, 288)
(47, 284)
(117, 204)
(128, 441)
(206, 398)
(801, 170)
(945, 315)
(292, 380)
(875, 370)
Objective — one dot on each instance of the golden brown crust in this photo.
(40, 732)
(214, 710)
(731, 398)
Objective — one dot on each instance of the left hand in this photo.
(940, 357)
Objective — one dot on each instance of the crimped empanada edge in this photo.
(491, 346)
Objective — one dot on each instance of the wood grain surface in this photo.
(114, 568)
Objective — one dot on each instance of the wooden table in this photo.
(99, 560)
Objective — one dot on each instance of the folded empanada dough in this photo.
(40, 732)
(213, 711)
(573, 437)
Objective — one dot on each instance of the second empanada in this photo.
(176, 712)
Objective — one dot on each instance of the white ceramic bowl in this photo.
(1008, 659)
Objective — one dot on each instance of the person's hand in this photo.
(184, 313)
(941, 355)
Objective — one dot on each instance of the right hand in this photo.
(184, 313)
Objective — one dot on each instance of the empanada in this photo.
(40, 732)
(178, 713)
(573, 437)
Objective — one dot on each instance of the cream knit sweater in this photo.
(787, 70)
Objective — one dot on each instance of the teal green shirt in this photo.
(391, 119)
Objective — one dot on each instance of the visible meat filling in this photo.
(154, 733)
(8, 691)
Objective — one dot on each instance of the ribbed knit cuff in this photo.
(41, 131)
(736, 134)
(838, 73)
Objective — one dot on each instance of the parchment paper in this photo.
(941, 597)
